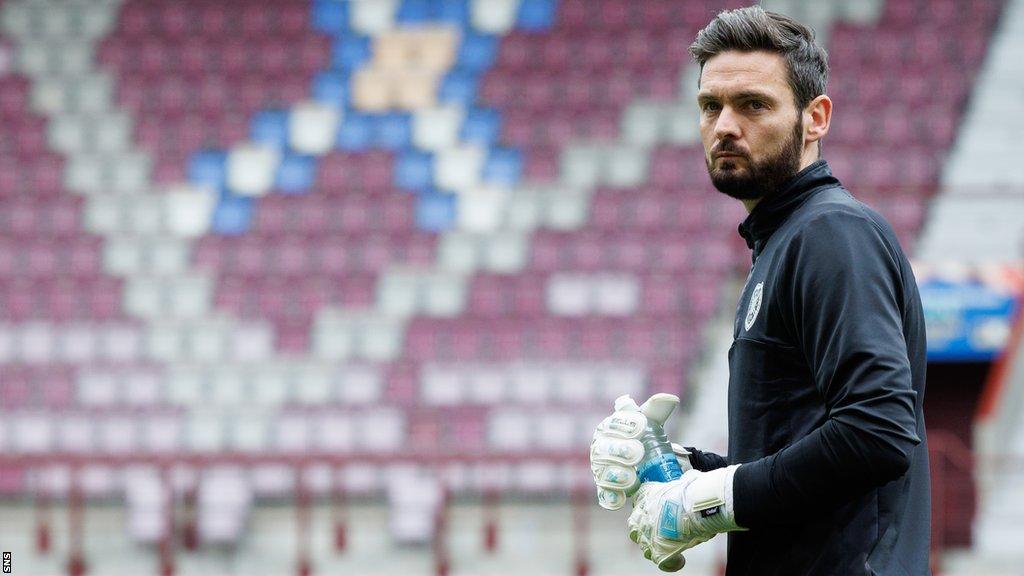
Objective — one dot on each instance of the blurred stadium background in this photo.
(343, 286)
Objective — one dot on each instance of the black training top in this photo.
(826, 385)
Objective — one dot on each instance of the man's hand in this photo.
(670, 517)
(616, 449)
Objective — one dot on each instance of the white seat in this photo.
(683, 124)
(333, 340)
(186, 386)
(506, 252)
(481, 209)
(397, 293)
(224, 499)
(442, 385)
(111, 131)
(555, 430)
(509, 430)
(189, 296)
(122, 256)
(459, 251)
(120, 343)
(118, 434)
(530, 383)
(626, 167)
(618, 379)
(380, 338)
(75, 433)
(143, 214)
(523, 211)
(487, 385)
(206, 341)
(167, 256)
(229, 386)
(493, 16)
(69, 133)
(77, 343)
(251, 169)
(188, 210)
(581, 165)
(360, 385)
(389, 430)
(142, 388)
(165, 342)
(127, 172)
(293, 433)
(205, 432)
(444, 295)
(616, 295)
(371, 17)
(313, 384)
(250, 431)
(575, 384)
(437, 128)
(32, 432)
(160, 434)
(567, 210)
(643, 123)
(313, 127)
(103, 215)
(146, 498)
(568, 295)
(250, 341)
(458, 168)
(37, 343)
(335, 432)
(270, 386)
(98, 389)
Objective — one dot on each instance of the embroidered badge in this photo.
(754, 307)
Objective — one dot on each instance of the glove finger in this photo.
(614, 477)
(623, 424)
(672, 563)
(607, 450)
(610, 499)
(679, 450)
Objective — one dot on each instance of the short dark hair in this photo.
(753, 28)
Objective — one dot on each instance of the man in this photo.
(827, 471)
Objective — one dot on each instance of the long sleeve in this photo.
(844, 297)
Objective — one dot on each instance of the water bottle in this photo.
(659, 463)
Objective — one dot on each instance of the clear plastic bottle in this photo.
(659, 463)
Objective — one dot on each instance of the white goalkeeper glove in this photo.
(670, 517)
(616, 449)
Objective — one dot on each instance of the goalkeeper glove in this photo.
(670, 517)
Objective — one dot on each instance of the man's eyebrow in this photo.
(744, 95)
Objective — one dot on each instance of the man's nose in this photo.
(727, 125)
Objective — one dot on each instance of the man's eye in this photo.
(711, 106)
(757, 105)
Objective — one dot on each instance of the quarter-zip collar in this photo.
(771, 212)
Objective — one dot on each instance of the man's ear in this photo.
(817, 117)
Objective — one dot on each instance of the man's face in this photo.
(750, 126)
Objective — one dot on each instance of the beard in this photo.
(761, 178)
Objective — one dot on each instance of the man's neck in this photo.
(809, 157)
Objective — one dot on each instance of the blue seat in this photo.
(503, 166)
(453, 11)
(330, 16)
(208, 168)
(414, 170)
(270, 127)
(459, 87)
(350, 52)
(536, 15)
(332, 87)
(414, 11)
(482, 126)
(232, 216)
(393, 131)
(295, 174)
(435, 211)
(355, 134)
(477, 51)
